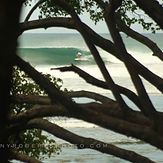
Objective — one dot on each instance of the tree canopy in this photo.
(115, 115)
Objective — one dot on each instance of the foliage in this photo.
(130, 13)
(50, 9)
(31, 142)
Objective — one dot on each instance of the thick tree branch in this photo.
(44, 100)
(104, 118)
(83, 142)
(54, 93)
(48, 110)
(9, 25)
(153, 9)
(139, 37)
(95, 54)
(99, 83)
(46, 23)
(39, 111)
(109, 15)
(31, 99)
(99, 41)
(33, 9)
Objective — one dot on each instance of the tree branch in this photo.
(99, 83)
(46, 23)
(91, 95)
(33, 9)
(101, 42)
(49, 110)
(107, 118)
(95, 54)
(44, 100)
(153, 9)
(83, 142)
(139, 37)
(109, 15)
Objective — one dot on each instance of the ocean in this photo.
(48, 50)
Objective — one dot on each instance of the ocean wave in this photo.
(66, 56)
(52, 56)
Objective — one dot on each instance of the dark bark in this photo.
(33, 9)
(108, 114)
(141, 38)
(99, 83)
(100, 63)
(148, 108)
(82, 142)
(9, 17)
(46, 23)
(44, 100)
(110, 109)
(153, 9)
(99, 41)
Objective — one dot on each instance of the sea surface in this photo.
(45, 51)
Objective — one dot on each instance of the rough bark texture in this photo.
(82, 142)
(145, 124)
(153, 9)
(9, 17)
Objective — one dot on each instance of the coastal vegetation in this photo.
(32, 108)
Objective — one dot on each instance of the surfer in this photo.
(80, 57)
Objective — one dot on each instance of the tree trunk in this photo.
(9, 16)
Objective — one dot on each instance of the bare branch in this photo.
(83, 142)
(148, 108)
(31, 99)
(95, 54)
(33, 9)
(44, 100)
(136, 126)
(103, 43)
(91, 95)
(99, 83)
(39, 111)
(46, 23)
(150, 7)
(108, 108)
(139, 37)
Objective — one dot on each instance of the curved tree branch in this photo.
(137, 131)
(139, 37)
(150, 7)
(33, 9)
(109, 15)
(95, 54)
(99, 83)
(46, 23)
(48, 110)
(83, 142)
(44, 100)
(101, 42)
(92, 95)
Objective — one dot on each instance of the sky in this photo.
(100, 27)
